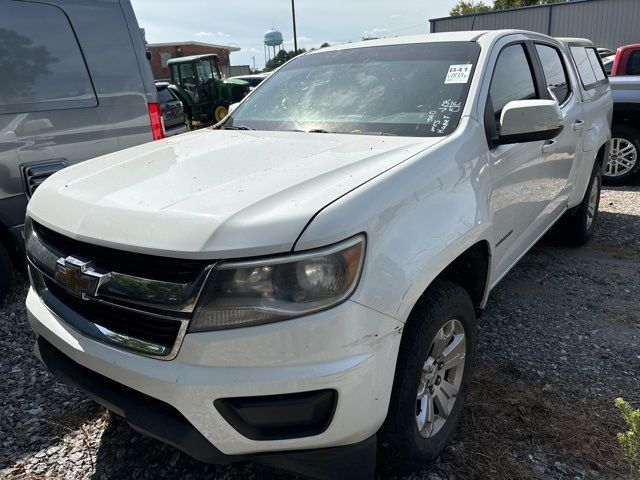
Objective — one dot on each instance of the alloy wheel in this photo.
(441, 378)
(623, 156)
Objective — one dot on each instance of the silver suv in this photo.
(72, 89)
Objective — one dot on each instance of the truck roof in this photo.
(633, 46)
(574, 40)
(190, 58)
(460, 36)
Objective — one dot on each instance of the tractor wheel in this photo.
(220, 112)
(188, 121)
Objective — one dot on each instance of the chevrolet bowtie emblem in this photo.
(78, 277)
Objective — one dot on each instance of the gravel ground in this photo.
(559, 341)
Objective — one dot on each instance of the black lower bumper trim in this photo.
(279, 417)
(160, 420)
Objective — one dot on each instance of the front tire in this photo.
(623, 164)
(432, 375)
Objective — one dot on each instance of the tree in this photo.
(369, 37)
(324, 45)
(282, 57)
(22, 63)
(504, 4)
(469, 7)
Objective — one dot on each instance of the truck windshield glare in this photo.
(406, 90)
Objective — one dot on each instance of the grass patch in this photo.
(510, 415)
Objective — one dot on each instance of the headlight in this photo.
(240, 294)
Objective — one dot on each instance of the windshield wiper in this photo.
(237, 127)
(384, 134)
(321, 130)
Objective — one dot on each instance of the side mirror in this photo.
(529, 121)
(232, 107)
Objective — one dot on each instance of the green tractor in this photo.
(203, 91)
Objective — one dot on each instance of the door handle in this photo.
(578, 124)
(549, 146)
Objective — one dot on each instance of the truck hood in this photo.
(213, 194)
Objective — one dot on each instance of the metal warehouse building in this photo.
(609, 23)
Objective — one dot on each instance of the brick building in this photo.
(162, 52)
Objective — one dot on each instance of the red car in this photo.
(627, 61)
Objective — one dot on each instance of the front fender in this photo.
(418, 217)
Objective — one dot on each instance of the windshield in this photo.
(409, 90)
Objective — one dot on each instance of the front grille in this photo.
(34, 174)
(136, 302)
(129, 263)
(159, 331)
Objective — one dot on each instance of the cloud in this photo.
(375, 32)
(303, 42)
(395, 16)
(203, 34)
(222, 34)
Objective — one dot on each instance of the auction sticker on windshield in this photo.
(458, 73)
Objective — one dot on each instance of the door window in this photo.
(512, 80)
(188, 81)
(40, 60)
(555, 72)
(175, 76)
(205, 72)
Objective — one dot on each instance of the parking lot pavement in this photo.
(558, 342)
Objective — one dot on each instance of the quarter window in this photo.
(40, 60)
(596, 64)
(589, 65)
(554, 72)
(512, 79)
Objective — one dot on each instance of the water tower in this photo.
(272, 42)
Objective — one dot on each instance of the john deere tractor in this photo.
(200, 86)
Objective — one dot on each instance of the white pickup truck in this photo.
(300, 286)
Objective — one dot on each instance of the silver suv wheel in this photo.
(441, 378)
(623, 156)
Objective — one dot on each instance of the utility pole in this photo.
(295, 35)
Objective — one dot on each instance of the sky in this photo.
(243, 24)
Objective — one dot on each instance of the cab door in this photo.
(520, 192)
(562, 153)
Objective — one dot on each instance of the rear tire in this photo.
(6, 272)
(219, 112)
(623, 164)
(410, 436)
(577, 225)
(188, 120)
